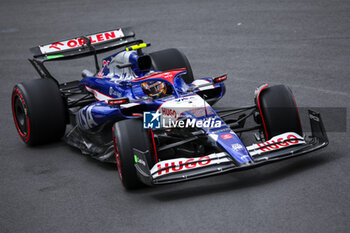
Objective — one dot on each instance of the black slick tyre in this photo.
(278, 111)
(39, 111)
(169, 59)
(129, 134)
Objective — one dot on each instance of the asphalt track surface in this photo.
(303, 44)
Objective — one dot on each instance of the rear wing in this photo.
(80, 47)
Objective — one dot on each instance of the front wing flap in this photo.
(183, 169)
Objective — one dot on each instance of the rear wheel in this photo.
(38, 111)
(169, 59)
(278, 111)
(129, 134)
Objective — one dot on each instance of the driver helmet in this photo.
(154, 89)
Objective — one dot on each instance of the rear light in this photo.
(118, 101)
(220, 78)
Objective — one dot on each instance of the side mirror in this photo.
(118, 101)
(220, 78)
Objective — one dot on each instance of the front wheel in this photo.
(129, 134)
(278, 111)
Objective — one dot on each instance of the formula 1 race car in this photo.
(146, 112)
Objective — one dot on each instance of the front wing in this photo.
(183, 169)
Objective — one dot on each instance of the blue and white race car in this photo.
(146, 112)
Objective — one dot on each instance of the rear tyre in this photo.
(38, 111)
(278, 111)
(169, 59)
(129, 134)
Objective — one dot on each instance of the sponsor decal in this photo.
(129, 105)
(183, 164)
(104, 69)
(186, 103)
(167, 75)
(199, 112)
(138, 160)
(237, 147)
(276, 143)
(112, 92)
(169, 112)
(85, 118)
(181, 99)
(77, 42)
(226, 136)
(105, 62)
(21, 97)
(313, 117)
(244, 157)
(221, 130)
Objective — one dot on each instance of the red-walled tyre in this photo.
(278, 111)
(129, 134)
(39, 111)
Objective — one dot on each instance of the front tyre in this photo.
(39, 111)
(278, 111)
(129, 134)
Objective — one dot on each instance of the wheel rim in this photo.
(20, 117)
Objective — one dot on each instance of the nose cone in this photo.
(234, 146)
